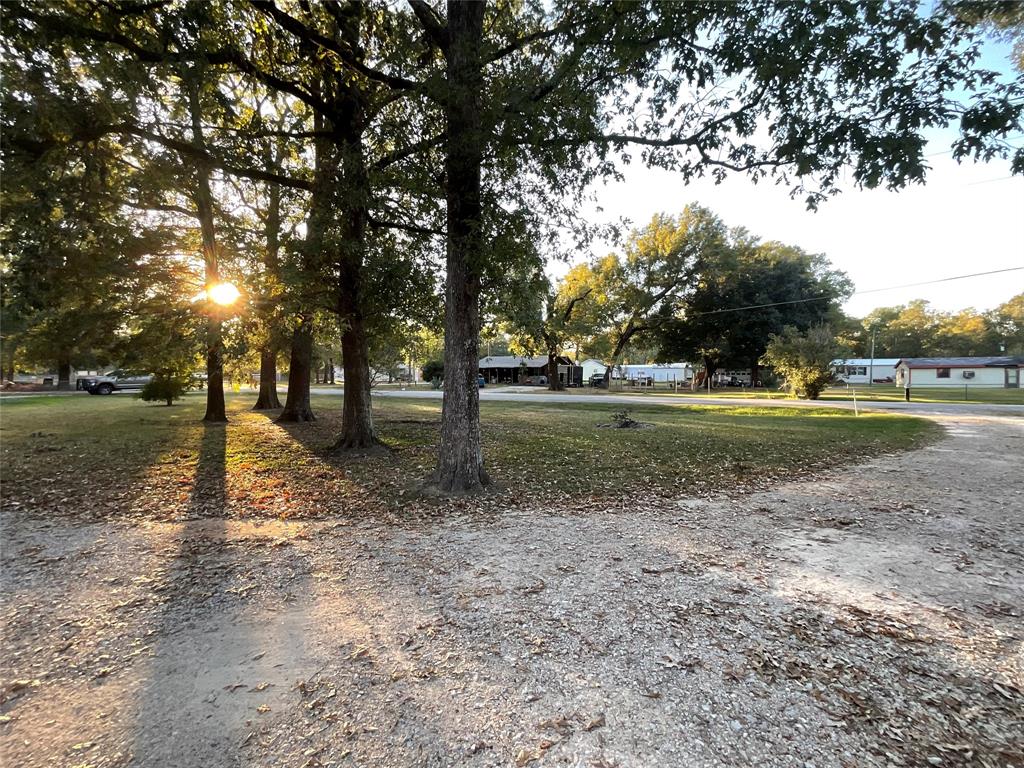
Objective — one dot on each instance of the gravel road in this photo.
(871, 617)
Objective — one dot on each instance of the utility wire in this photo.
(857, 293)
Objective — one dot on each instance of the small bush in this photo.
(166, 386)
(803, 359)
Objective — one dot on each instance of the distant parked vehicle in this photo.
(117, 381)
(598, 380)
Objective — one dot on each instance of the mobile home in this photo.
(959, 371)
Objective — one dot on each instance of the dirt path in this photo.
(872, 617)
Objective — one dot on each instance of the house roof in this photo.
(878, 362)
(514, 361)
(961, 362)
(655, 366)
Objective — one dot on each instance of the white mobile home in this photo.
(958, 371)
(656, 373)
(862, 370)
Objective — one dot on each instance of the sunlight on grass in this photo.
(128, 458)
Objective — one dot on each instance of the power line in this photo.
(950, 151)
(987, 181)
(858, 293)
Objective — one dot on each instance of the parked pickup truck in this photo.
(116, 381)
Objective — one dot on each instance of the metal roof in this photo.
(879, 361)
(961, 362)
(514, 361)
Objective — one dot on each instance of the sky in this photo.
(966, 218)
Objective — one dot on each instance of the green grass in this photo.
(118, 456)
(877, 393)
(883, 392)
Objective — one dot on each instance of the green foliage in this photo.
(433, 369)
(1008, 320)
(744, 291)
(803, 359)
(166, 386)
(629, 296)
(917, 330)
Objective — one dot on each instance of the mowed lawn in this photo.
(877, 393)
(116, 456)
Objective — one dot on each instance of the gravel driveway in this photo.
(870, 617)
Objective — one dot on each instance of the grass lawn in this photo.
(879, 392)
(117, 456)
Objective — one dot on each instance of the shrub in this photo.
(803, 359)
(167, 386)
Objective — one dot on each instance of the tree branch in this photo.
(572, 304)
(435, 28)
(311, 36)
(414, 229)
(400, 154)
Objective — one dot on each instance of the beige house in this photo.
(958, 371)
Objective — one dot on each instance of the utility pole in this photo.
(871, 366)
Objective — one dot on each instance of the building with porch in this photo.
(513, 369)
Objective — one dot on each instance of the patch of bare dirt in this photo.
(872, 617)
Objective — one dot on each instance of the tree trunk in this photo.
(357, 431)
(215, 410)
(64, 371)
(554, 383)
(300, 364)
(755, 370)
(460, 464)
(268, 380)
(710, 367)
(203, 199)
(268, 397)
(330, 368)
(10, 350)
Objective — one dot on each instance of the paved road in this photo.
(921, 409)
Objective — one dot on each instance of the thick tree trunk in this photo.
(215, 410)
(330, 369)
(460, 464)
(554, 383)
(268, 398)
(64, 371)
(300, 365)
(357, 431)
(10, 350)
(710, 368)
